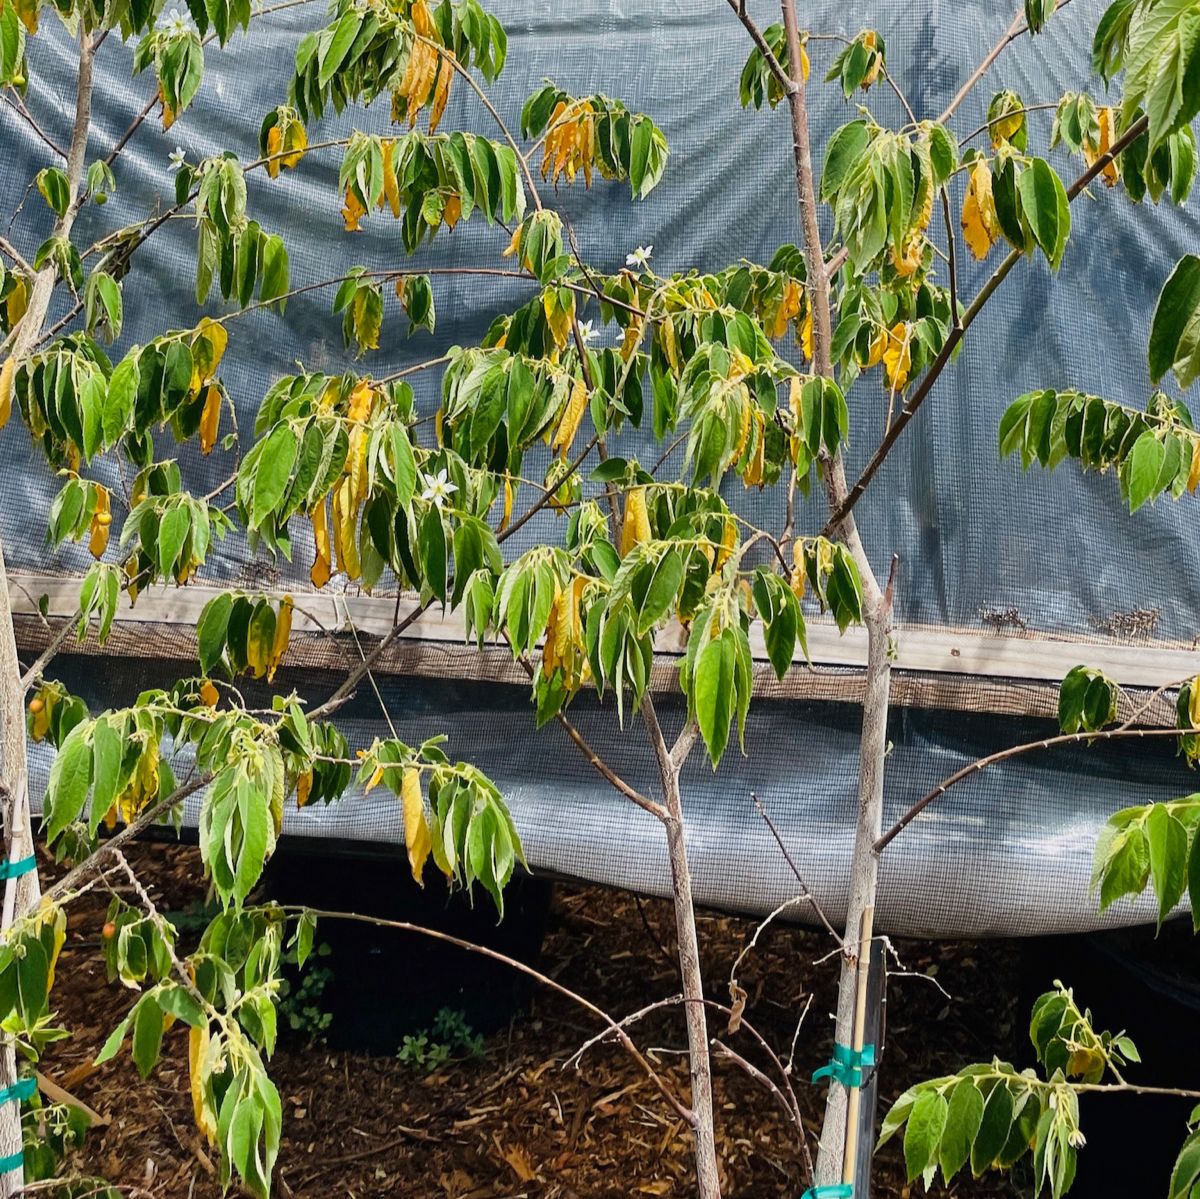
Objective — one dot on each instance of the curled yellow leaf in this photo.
(636, 525)
(283, 633)
(274, 141)
(353, 211)
(1093, 151)
(101, 523)
(897, 356)
(198, 1040)
(980, 225)
(209, 694)
(17, 302)
(210, 420)
(416, 828)
(391, 190)
(322, 567)
(572, 417)
(295, 142)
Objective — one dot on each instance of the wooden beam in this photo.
(966, 670)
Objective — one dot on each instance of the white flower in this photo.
(587, 333)
(176, 158)
(438, 490)
(177, 24)
(640, 257)
(1076, 1139)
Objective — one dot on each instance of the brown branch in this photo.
(1014, 31)
(18, 106)
(1003, 755)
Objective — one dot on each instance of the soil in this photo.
(524, 1119)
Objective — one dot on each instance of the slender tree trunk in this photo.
(864, 870)
(670, 764)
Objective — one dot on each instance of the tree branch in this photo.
(1003, 755)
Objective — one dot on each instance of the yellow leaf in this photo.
(1193, 474)
(210, 420)
(274, 141)
(345, 526)
(101, 523)
(1093, 151)
(322, 568)
(754, 471)
(353, 212)
(442, 92)
(869, 41)
(197, 1056)
(512, 245)
(979, 222)
(729, 536)
(558, 318)
(897, 357)
(907, 261)
(374, 781)
(366, 322)
(6, 378)
(1194, 704)
(391, 190)
(168, 113)
(878, 343)
(806, 336)
(56, 918)
(209, 694)
(508, 503)
(283, 633)
(416, 827)
(304, 784)
(27, 10)
(572, 416)
(295, 142)
(452, 213)
(17, 302)
(636, 525)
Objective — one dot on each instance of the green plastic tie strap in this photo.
(846, 1066)
(23, 1089)
(14, 1161)
(16, 869)
(843, 1190)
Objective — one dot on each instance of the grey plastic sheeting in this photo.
(1011, 852)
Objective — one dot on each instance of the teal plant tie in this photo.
(16, 869)
(846, 1066)
(843, 1190)
(20, 1090)
(14, 1161)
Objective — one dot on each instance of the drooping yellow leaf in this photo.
(513, 244)
(283, 633)
(54, 917)
(209, 694)
(322, 567)
(27, 10)
(367, 319)
(274, 141)
(636, 525)
(168, 113)
(17, 302)
(729, 537)
(558, 318)
(374, 781)
(210, 420)
(897, 356)
(391, 190)
(980, 224)
(806, 336)
(416, 827)
(870, 41)
(441, 92)
(345, 528)
(1093, 151)
(197, 1061)
(1194, 704)
(508, 503)
(101, 523)
(452, 213)
(754, 471)
(878, 343)
(353, 211)
(304, 784)
(572, 417)
(6, 378)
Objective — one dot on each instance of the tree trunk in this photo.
(864, 875)
(707, 1175)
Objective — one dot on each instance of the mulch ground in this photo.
(518, 1121)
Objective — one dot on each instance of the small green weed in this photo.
(432, 1048)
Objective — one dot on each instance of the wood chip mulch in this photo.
(518, 1121)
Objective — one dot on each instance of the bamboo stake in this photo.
(854, 1098)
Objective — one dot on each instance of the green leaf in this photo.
(661, 590)
(107, 751)
(843, 151)
(1194, 881)
(112, 1046)
(963, 1119)
(1044, 202)
(712, 685)
(55, 189)
(1168, 844)
(147, 1036)
(993, 1130)
(172, 533)
(274, 469)
(1175, 315)
(1143, 468)
(926, 1123)
(212, 629)
(431, 541)
(70, 778)
(334, 51)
